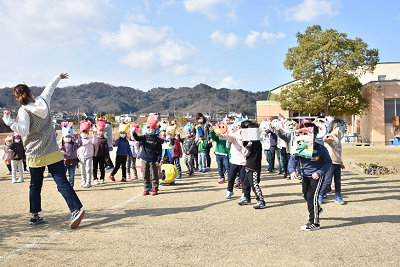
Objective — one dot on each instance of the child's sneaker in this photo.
(236, 186)
(96, 181)
(14, 180)
(123, 179)
(34, 221)
(260, 205)
(25, 170)
(101, 181)
(204, 170)
(8, 173)
(244, 201)
(221, 181)
(229, 194)
(87, 186)
(340, 201)
(20, 180)
(129, 176)
(145, 193)
(154, 192)
(76, 218)
(320, 200)
(82, 184)
(134, 177)
(111, 178)
(178, 177)
(310, 227)
(200, 170)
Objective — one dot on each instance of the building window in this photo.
(381, 77)
(392, 109)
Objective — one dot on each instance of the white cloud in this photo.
(251, 39)
(313, 9)
(228, 82)
(270, 37)
(42, 22)
(149, 48)
(137, 16)
(133, 36)
(265, 21)
(229, 40)
(209, 7)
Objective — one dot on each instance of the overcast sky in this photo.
(145, 44)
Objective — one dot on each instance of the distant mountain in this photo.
(95, 97)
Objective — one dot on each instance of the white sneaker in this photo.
(242, 197)
(8, 173)
(101, 181)
(87, 186)
(96, 181)
(82, 184)
(229, 194)
(20, 180)
(14, 181)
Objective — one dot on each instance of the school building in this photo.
(377, 126)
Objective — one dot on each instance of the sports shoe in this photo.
(320, 200)
(101, 181)
(221, 181)
(154, 192)
(260, 205)
(310, 227)
(329, 190)
(128, 176)
(200, 170)
(123, 179)
(229, 194)
(111, 178)
(87, 186)
(82, 184)
(96, 181)
(244, 201)
(204, 170)
(340, 201)
(145, 193)
(34, 221)
(237, 186)
(20, 180)
(178, 177)
(8, 173)
(134, 178)
(14, 180)
(76, 218)
(25, 170)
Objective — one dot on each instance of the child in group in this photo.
(168, 172)
(177, 151)
(202, 144)
(237, 160)
(134, 147)
(7, 157)
(108, 134)
(123, 151)
(252, 150)
(336, 129)
(150, 155)
(69, 149)
(101, 154)
(17, 155)
(188, 147)
(85, 153)
(313, 171)
(221, 155)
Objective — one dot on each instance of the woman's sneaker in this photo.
(310, 227)
(76, 218)
(260, 205)
(34, 221)
(86, 186)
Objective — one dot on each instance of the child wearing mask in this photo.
(188, 147)
(17, 155)
(101, 154)
(123, 151)
(85, 153)
(69, 149)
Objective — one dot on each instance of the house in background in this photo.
(375, 126)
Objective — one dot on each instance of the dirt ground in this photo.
(192, 224)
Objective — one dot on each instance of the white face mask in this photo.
(84, 135)
(188, 135)
(122, 135)
(150, 132)
(67, 140)
(200, 120)
(17, 140)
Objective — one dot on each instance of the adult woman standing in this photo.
(35, 126)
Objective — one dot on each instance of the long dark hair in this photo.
(22, 93)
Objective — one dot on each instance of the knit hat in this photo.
(101, 123)
(152, 120)
(124, 127)
(67, 128)
(85, 126)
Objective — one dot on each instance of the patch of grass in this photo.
(387, 156)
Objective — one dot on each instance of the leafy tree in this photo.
(100, 114)
(327, 66)
(181, 120)
(110, 118)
